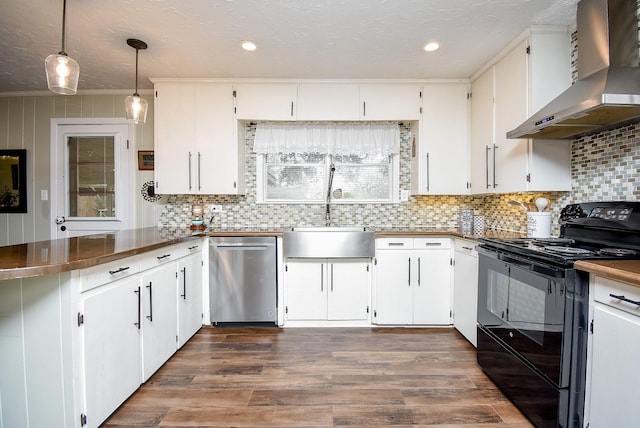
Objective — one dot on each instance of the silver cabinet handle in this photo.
(331, 276)
(409, 281)
(467, 248)
(190, 171)
(150, 316)
(164, 256)
(396, 244)
(433, 244)
(486, 163)
(291, 108)
(184, 283)
(364, 108)
(428, 181)
(137, 324)
(418, 271)
(494, 166)
(199, 183)
(321, 277)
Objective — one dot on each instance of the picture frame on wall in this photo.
(13, 181)
(145, 160)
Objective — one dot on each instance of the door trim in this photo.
(57, 165)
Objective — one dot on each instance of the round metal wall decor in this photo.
(148, 192)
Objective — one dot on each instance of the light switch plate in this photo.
(404, 195)
(216, 209)
(44, 194)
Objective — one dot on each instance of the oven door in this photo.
(524, 305)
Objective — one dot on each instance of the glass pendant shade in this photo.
(62, 74)
(136, 108)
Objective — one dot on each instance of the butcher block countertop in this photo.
(618, 270)
(67, 254)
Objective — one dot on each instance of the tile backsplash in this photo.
(604, 167)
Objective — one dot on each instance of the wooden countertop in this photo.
(62, 255)
(619, 270)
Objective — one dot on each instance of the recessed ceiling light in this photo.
(431, 46)
(248, 45)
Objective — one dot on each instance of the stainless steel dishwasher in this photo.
(242, 279)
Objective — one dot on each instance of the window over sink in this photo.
(295, 160)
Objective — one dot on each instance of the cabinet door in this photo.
(328, 102)
(511, 84)
(432, 287)
(111, 345)
(159, 317)
(393, 287)
(465, 291)
(482, 139)
(174, 137)
(444, 139)
(306, 290)
(189, 297)
(615, 380)
(256, 101)
(215, 161)
(390, 102)
(348, 283)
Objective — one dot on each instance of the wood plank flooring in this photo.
(269, 377)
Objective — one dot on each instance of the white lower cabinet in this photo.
(111, 347)
(327, 289)
(189, 295)
(159, 318)
(413, 281)
(130, 326)
(465, 289)
(613, 380)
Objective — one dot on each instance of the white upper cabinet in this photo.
(328, 101)
(266, 101)
(482, 133)
(390, 102)
(440, 165)
(532, 73)
(196, 147)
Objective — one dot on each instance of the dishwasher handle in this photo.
(243, 246)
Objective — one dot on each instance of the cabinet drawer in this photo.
(108, 272)
(394, 243)
(464, 246)
(431, 243)
(158, 257)
(186, 248)
(628, 298)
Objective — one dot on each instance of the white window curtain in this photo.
(336, 138)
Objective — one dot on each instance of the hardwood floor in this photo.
(269, 377)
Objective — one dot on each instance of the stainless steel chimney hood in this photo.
(607, 92)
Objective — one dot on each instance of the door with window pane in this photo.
(91, 180)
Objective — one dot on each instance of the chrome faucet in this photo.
(332, 170)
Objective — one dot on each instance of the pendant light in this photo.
(62, 70)
(135, 106)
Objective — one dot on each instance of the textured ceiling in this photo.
(320, 39)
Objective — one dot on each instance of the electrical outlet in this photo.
(404, 195)
(216, 209)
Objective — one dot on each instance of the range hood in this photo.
(607, 92)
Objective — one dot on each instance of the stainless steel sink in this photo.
(329, 242)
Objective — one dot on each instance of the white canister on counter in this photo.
(478, 225)
(539, 224)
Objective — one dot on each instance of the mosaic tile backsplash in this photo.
(604, 167)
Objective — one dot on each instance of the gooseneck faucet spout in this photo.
(332, 170)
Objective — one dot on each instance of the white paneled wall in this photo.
(25, 124)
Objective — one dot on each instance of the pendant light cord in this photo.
(136, 93)
(64, 16)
